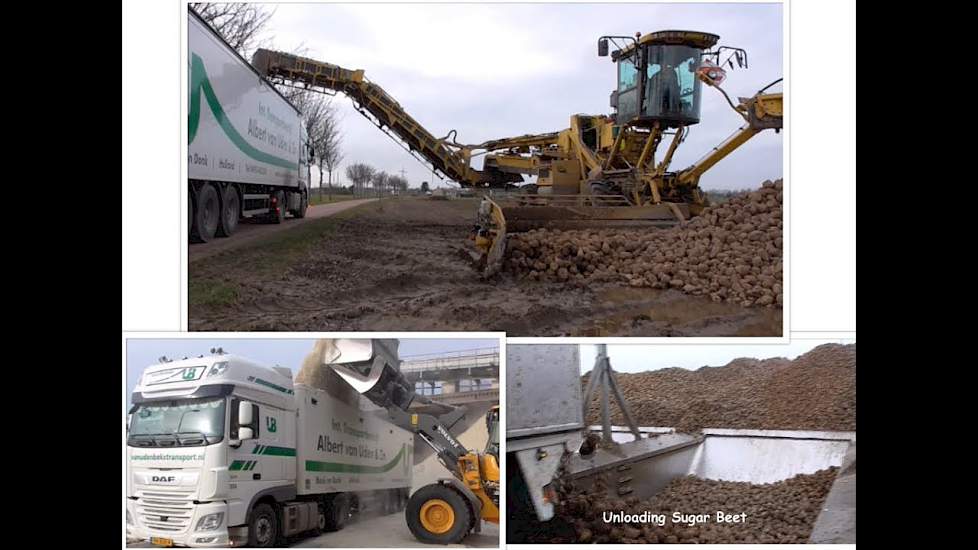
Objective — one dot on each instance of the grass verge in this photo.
(213, 282)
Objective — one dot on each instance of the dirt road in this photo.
(403, 265)
(250, 230)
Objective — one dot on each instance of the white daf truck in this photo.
(225, 452)
(248, 153)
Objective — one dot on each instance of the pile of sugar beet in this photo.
(815, 391)
(732, 252)
(783, 512)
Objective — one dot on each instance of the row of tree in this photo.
(363, 176)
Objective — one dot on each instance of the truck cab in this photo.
(209, 439)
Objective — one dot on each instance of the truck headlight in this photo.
(210, 522)
(218, 368)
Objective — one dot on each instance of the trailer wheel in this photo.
(207, 214)
(278, 217)
(337, 512)
(263, 527)
(437, 514)
(230, 210)
(303, 205)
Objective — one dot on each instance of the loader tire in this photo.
(230, 210)
(207, 213)
(263, 527)
(438, 514)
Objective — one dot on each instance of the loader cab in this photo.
(657, 78)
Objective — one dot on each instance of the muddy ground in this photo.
(403, 265)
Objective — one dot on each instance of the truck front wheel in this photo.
(303, 206)
(337, 512)
(263, 527)
(438, 514)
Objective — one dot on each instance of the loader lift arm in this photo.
(450, 159)
(445, 511)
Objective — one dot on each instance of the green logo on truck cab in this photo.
(270, 424)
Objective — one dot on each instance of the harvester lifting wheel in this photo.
(438, 514)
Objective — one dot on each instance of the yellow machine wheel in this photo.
(438, 514)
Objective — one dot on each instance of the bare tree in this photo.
(240, 23)
(399, 183)
(360, 174)
(380, 181)
(329, 145)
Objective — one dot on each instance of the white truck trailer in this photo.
(225, 452)
(248, 153)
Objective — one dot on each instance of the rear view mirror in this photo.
(245, 434)
(603, 47)
(245, 416)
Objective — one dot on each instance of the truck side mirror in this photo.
(245, 414)
(603, 47)
(245, 434)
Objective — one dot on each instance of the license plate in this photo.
(160, 541)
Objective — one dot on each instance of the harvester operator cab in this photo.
(657, 77)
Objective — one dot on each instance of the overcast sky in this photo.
(492, 71)
(143, 352)
(645, 357)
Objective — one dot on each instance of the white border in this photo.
(498, 336)
(786, 171)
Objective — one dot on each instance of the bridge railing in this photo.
(486, 357)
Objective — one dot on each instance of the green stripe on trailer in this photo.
(200, 82)
(336, 467)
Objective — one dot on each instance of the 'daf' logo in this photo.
(270, 424)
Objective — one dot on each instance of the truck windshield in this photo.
(184, 422)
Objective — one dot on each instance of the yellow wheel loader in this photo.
(446, 511)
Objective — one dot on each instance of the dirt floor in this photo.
(404, 264)
(816, 391)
